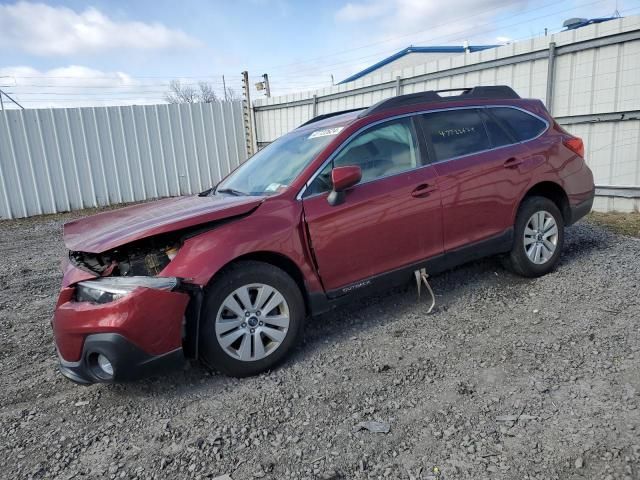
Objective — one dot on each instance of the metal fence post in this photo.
(551, 70)
(247, 114)
(398, 85)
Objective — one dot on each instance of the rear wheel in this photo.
(538, 238)
(253, 314)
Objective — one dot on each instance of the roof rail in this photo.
(317, 118)
(485, 93)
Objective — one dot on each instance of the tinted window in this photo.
(498, 135)
(383, 150)
(522, 125)
(455, 132)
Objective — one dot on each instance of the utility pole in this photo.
(246, 113)
(10, 98)
(224, 88)
(267, 88)
(264, 85)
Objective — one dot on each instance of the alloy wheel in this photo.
(540, 237)
(252, 322)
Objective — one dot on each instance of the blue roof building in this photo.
(574, 23)
(414, 56)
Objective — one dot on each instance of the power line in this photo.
(493, 27)
(296, 85)
(101, 77)
(134, 90)
(472, 29)
(131, 85)
(10, 98)
(390, 39)
(311, 69)
(217, 77)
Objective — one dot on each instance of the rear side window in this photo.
(498, 135)
(520, 124)
(454, 133)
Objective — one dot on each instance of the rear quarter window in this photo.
(521, 125)
(498, 135)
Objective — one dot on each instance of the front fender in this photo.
(276, 227)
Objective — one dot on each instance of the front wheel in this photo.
(253, 315)
(538, 238)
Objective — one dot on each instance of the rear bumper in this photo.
(128, 361)
(581, 209)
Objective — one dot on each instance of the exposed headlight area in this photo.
(109, 289)
(142, 258)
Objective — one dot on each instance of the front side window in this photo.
(274, 167)
(454, 133)
(521, 125)
(380, 151)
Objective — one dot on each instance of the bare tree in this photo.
(231, 95)
(206, 94)
(179, 93)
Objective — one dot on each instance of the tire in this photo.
(242, 344)
(542, 252)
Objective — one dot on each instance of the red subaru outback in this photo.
(344, 205)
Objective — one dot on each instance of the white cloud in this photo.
(71, 76)
(357, 12)
(77, 86)
(434, 22)
(42, 29)
(384, 27)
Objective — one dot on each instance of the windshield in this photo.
(273, 168)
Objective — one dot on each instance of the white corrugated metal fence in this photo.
(589, 77)
(55, 160)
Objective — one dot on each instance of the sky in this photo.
(74, 53)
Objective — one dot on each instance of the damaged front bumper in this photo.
(120, 340)
(110, 357)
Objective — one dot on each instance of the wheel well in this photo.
(556, 194)
(283, 263)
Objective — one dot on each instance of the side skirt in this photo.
(321, 302)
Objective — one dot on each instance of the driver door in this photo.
(391, 219)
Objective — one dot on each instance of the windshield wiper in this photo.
(232, 191)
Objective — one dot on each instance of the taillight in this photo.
(575, 145)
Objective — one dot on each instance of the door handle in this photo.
(513, 162)
(423, 190)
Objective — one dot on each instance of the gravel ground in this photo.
(508, 378)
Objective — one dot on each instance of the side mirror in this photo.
(343, 178)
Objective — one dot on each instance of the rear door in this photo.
(392, 218)
(478, 173)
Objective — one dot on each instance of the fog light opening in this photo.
(104, 365)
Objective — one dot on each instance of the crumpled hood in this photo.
(107, 230)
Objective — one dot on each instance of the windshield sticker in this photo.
(274, 187)
(326, 132)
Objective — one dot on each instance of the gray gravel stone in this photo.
(482, 384)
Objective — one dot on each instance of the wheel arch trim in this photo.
(277, 259)
(552, 190)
